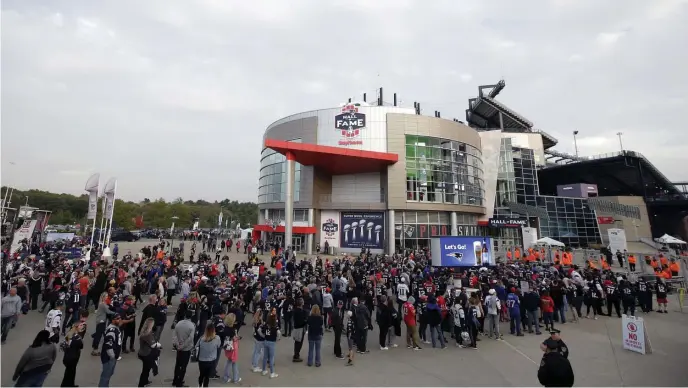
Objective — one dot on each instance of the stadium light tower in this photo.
(575, 142)
(620, 142)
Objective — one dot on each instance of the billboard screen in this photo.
(454, 251)
(362, 230)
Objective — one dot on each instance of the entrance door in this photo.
(296, 243)
(278, 239)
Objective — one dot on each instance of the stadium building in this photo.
(380, 176)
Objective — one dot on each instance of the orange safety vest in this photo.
(666, 274)
(674, 267)
(592, 265)
(517, 253)
(508, 255)
(605, 265)
(631, 259)
(663, 260)
(654, 263)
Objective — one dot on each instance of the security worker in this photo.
(555, 370)
(561, 346)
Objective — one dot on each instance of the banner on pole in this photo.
(93, 204)
(109, 205)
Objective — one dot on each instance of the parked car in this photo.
(123, 235)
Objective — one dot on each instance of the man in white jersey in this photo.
(53, 321)
(402, 292)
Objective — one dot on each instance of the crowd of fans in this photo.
(306, 299)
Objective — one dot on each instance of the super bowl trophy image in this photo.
(362, 224)
(370, 230)
(354, 226)
(346, 232)
(378, 229)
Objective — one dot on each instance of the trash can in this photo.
(330, 250)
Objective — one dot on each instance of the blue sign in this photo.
(454, 251)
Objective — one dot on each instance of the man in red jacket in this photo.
(409, 314)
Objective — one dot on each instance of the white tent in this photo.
(666, 239)
(549, 241)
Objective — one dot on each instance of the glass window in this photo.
(437, 169)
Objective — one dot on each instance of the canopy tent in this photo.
(666, 239)
(549, 241)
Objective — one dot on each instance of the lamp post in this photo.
(620, 142)
(575, 142)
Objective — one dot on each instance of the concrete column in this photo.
(390, 226)
(454, 227)
(309, 237)
(266, 214)
(289, 201)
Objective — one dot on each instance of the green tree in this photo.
(69, 209)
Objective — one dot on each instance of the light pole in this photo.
(575, 142)
(620, 142)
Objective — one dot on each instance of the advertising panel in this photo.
(453, 251)
(362, 230)
(329, 228)
(617, 240)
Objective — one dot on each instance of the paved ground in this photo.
(596, 355)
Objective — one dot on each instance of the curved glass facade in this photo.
(443, 171)
(272, 183)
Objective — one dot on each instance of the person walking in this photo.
(182, 340)
(11, 307)
(36, 362)
(102, 314)
(207, 347)
(315, 334)
(149, 351)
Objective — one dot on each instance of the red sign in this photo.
(605, 220)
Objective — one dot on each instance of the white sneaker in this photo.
(264, 373)
(273, 375)
(395, 345)
(257, 370)
(426, 342)
(238, 381)
(384, 348)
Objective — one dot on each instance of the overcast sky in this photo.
(172, 97)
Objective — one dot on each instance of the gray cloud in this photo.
(172, 97)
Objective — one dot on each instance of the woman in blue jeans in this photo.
(258, 341)
(271, 332)
(315, 334)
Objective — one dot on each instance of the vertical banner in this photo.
(329, 228)
(109, 205)
(92, 204)
(362, 230)
(219, 220)
(92, 189)
(110, 190)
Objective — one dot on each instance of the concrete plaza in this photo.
(596, 355)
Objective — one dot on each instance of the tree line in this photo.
(68, 209)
